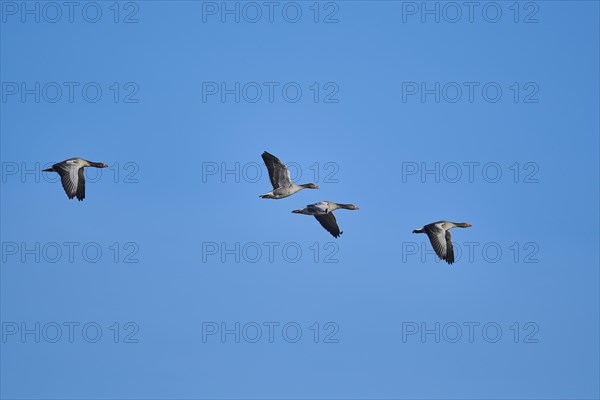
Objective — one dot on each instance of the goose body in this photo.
(72, 177)
(280, 179)
(323, 212)
(441, 239)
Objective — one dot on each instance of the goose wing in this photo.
(80, 185)
(278, 172)
(328, 222)
(449, 248)
(72, 179)
(440, 239)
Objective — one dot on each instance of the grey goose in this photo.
(72, 177)
(323, 212)
(441, 239)
(280, 179)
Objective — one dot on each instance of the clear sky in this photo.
(173, 279)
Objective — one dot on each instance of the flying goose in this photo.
(280, 179)
(71, 175)
(440, 238)
(323, 212)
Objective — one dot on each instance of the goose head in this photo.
(87, 163)
(99, 165)
(335, 206)
(310, 186)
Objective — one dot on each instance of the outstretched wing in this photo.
(80, 185)
(278, 172)
(449, 248)
(71, 177)
(328, 222)
(439, 241)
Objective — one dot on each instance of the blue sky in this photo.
(179, 206)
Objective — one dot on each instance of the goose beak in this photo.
(297, 211)
(104, 165)
(469, 225)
